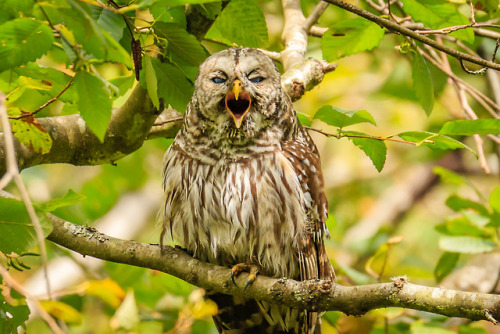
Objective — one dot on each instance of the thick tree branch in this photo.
(74, 143)
(313, 295)
(300, 74)
(393, 26)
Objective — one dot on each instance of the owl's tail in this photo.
(239, 315)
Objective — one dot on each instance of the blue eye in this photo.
(218, 80)
(257, 79)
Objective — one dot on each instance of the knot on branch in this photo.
(398, 283)
(305, 76)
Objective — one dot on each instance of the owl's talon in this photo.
(252, 269)
(237, 269)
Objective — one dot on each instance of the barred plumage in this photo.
(243, 184)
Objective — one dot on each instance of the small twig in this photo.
(271, 54)
(482, 70)
(449, 30)
(471, 115)
(172, 120)
(13, 171)
(12, 283)
(471, 90)
(472, 14)
(410, 33)
(338, 136)
(46, 103)
(315, 15)
(317, 31)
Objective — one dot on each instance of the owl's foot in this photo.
(241, 267)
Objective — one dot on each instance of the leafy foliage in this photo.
(422, 83)
(94, 102)
(23, 40)
(13, 311)
(241, 22)
(350, 37)
(16, 229)
(78, 55)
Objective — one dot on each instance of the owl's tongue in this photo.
(238, 107)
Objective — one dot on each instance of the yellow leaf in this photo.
(203, 308)
(107, 290)
(62, 311)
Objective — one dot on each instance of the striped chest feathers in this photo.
(236, 211)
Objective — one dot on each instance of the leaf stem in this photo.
(341, 135)
(46, 103)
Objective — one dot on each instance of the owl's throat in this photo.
(238, 108)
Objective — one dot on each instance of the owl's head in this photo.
(238, 90)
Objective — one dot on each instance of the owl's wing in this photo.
(304, 157)
(313, 260)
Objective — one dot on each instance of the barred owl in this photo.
(244, 187)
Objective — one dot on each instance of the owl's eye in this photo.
(257, 79)
(218, 80)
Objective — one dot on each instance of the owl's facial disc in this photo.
(238, 103)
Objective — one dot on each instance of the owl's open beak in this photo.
(238, 103)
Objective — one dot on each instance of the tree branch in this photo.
(74, 143)
(390, 25)
(314, 295)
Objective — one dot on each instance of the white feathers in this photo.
(257, 220)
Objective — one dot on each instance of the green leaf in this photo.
(151, 82)
(437, 14)
(68, 199)
(12, 9)
(476, 219)
(85, 29)
(23, 40)
(30, 133)
(471, 330)
(466, 244)
(94, 102)
(116, 53)
(422, 83)
(49, 77)
(422, 328)
(374, 149)
(350, 37)
(495, 200)
(19, 314)
(304, 119)
(434, 140)
(165, 13)
(449, 176)
(241, 22)
(182, 46)
(111, 22)
(458, 203)
(471, 127)
(173, 86)
(462, 226)
(16, 230)
(341, 118)
(210, 10)
(447, 262)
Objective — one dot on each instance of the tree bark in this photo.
(314, 295)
